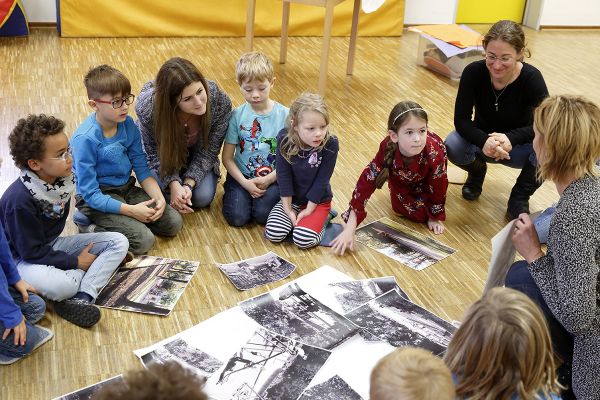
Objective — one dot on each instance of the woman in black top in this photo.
(503, 92)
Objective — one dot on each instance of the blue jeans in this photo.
(462, 152)
(520, 279)
(57, 284)
(239, 208)
(203, 193)
(542, 223)
(33, 311)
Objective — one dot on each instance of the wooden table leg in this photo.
(353, 33)
(325, 47)
(250, 11)
(285, 23)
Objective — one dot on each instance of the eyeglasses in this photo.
(64, 156)
(491, 59)
(118, 103)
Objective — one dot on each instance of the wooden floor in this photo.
(43, 74)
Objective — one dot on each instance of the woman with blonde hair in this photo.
(564, 282)
(502, 350)
(183, 119)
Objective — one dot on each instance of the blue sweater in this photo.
(98, 160)
(10, 313)
(307, 177)
(29, 232)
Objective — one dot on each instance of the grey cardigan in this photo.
(203, 159)
(568, 279)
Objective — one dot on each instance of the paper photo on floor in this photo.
(402, 244)
(148, 284)
(185, 354)
(334, 388)
(268, 366)
(295, 314)
(353, 294)
(257, 271)
(400, 322)
(88, 392)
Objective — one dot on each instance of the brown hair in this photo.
(409, 373)
(509, 32)
(569, 129)
(168, 381)
(26, 141)
(253, 66)
(103, 80)
(398, 116)
(502, 349)
(291, 144)
(172, 78)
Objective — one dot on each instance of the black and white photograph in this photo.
(88, 392)
(268, 366)
(352, 294)
(257, 271)
(403, 323)
(185, 354)
(148, 284)
(402, 244)
(335, 388)
(298, 315)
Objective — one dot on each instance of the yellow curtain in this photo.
(127, 18)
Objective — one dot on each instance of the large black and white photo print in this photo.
(335, 388)
(402, 244)
(88, 392)
(267, 367)
(352, 294)
(403, 323)
(297, 315)
(185, 354)
(257, 271)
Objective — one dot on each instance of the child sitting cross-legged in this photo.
(69, 270)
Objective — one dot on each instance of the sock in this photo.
(83, 296)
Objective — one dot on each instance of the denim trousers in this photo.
(239, 207)
(33, 311)
(57, 284)
(203, 193)
(462, 152)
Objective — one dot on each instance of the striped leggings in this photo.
(308, 233)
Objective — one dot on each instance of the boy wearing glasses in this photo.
(106, 148)
(69, 270)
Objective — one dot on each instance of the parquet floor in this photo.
(43, 74)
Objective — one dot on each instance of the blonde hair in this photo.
(253, 66)
(106, 80)
(291, 143)
(569, 129)
(409, 373)
(502, 349)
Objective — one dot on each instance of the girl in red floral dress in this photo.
(414, 159)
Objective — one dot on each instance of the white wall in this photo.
(575, 13)
(417, 12)
(40, 10)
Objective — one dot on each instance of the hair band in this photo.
(405, 111)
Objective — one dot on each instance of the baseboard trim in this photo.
(573, 27)
(42, 24)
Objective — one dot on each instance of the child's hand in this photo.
(159, 208)
(344, 241)
(253, 189)
(292, 215)
(262, 182)
(143, 211)
(304, 213)
(435, 226)
(85, 258)
(20, 333)
(23, 287)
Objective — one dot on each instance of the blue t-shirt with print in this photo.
(255, 137)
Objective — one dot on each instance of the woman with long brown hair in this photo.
(183, 120)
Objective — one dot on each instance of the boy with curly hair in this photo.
(69, 270)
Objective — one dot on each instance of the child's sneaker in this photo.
(84, 224)
(78, 312)
(36, 333)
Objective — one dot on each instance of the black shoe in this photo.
(526, 184)
(78, 312)
(473, 186)
(128, 257)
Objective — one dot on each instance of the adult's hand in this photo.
(525, 238)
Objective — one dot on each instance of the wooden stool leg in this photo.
(285, 22)
(325, 49)
(250, 10)
(353, 33)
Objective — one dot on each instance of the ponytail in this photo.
(390, 150)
